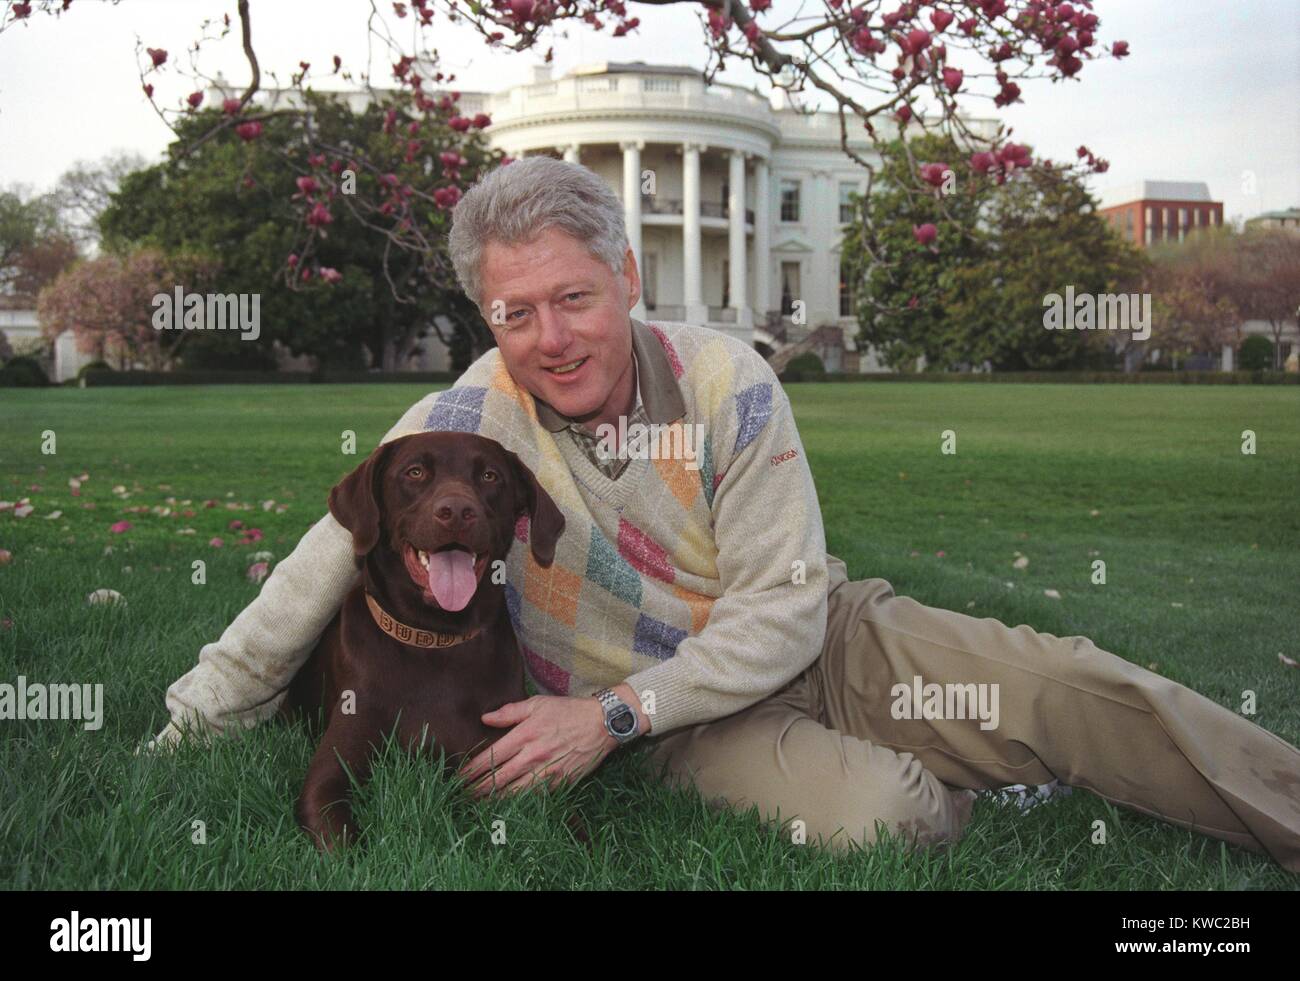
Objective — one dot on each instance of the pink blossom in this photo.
(1010, 93)
(230, 106)
(940, 19)
(459, 123)
(925, 234)
(235, 525)
(904, 113)
(216, 542)
(1119, 49)
(981, 162)
(917, 40)
(22, 10)
(934, 173)
(195, 99)
(119, 527)
(522, 9)
(952, 78)
(330, 275)
(159, 56)
(307, 185)
(968, 25)
(319, 215)
(758, 6)
(249, 131)
(258, 571)
(482, 120)
(148, 91)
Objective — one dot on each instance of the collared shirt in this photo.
(655, 383)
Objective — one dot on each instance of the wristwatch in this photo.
(621, 720)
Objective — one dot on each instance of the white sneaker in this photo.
(1026, 797)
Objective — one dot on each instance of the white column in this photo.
(692, 280)
(571, 153)
(737, 290)
(762, 239)
(632, 210)
(822, 293)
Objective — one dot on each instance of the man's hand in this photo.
(562, 738)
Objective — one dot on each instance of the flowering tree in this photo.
(884, 65)
(107, 303)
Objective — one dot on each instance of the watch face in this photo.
(623, 723)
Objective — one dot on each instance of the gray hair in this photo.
(514, 203)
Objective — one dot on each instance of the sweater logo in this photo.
(780, 458)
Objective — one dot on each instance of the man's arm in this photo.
(240, 677)
(770, 622)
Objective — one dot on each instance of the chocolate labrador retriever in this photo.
(424, 640)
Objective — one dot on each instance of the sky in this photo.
(1210, 92)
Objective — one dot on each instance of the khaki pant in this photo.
(828, 750)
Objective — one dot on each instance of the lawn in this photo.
(1202, 585)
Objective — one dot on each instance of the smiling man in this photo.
(691, 602)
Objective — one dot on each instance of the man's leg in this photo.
(776, 756)
(1066, 709)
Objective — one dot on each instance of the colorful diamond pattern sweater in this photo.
(702, 583)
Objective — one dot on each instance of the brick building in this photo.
(1148, 212)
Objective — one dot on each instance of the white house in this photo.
(733, 200)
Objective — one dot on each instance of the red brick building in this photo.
(1149, 212)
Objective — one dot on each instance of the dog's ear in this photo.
(545, 521)
(354, 501)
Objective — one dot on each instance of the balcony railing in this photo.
(655, 205)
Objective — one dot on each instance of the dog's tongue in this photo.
(451, 578)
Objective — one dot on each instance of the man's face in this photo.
(549, 304)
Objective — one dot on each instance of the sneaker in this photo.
(1026, 797)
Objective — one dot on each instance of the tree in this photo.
(889, 68)
(107, 302)
(1270, 281)
(959, 273)
(84, 191)
(348, 291)
(26, 222)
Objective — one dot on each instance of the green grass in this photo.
(1200, 543)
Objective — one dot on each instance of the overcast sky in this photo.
(1211, 91)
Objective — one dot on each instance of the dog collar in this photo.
(414, 636)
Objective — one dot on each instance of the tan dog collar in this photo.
(414, 636)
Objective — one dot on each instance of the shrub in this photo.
(23, 373)
(808, 361)
(94, 366)
(1256, 353)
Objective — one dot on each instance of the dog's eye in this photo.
(415, 473)
(490, 475)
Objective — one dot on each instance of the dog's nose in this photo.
(455, 511)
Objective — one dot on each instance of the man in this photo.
(692, 593)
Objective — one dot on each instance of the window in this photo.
(726, 282)
(789, 287)
(1128, 224)
(846, 206)
(789, 200)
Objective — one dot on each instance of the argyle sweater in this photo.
(701, 583)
